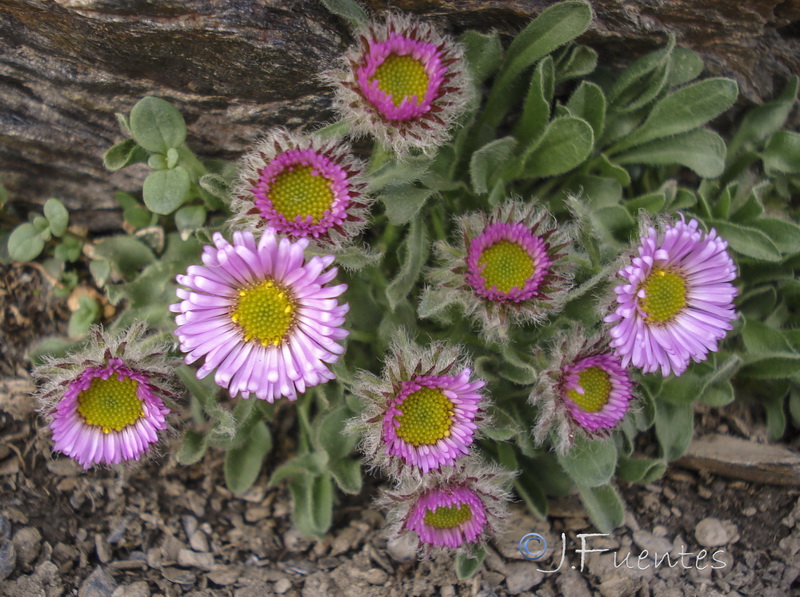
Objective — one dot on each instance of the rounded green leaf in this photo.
(700, 150)
(157, 125)
(57, 215)
(466, 565)
(25, 243)
(590, 463)
(164, 191)
(565, 144)
(746, 240)
(782, 153)
(123, 154)
(243, 463)
(604, 507)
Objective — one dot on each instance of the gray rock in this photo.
(192, 559)
(98, 584)
(8, 558)
(282, 586)
(136, 589)
(522, 576)
(652, 543)
(403, 548)
(26, 542)
(198, 541)
(178, 576)
(710, 532)
(5, 527)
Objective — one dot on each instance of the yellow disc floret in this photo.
(448, 517)
(664, 295)
(301, 191)
(506, 265)
(264, 312)
(596, 386)
(426, 417)
(402, 77)
(112, 404)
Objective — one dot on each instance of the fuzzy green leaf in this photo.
(577, 61)
(313, 504)
(590, 462)
(641, 470)
(330, 435)
(638, 83)
(484, 53)
(100, 270)
(157, 125)
(123, 154)
(403, 202)
(685, 65)
(348, 10)
(189, 219)
(746, 240)
(467, 565)
(589, 103)
(674, 428)
(243, 463)
(416, 252)
(83, 318)
(488, 160)
(193, 447)
(682, 111)
(57, 216)
(565, 144)
(347, 474)
(536, 110)
(25, 243)
(784, 234)
(700, 150)
(164, 191)
(782, 153)
(759, 337)
(604, 507)
(216, 186)
(776, 365)
(126, 253)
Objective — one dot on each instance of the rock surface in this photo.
(235, 68)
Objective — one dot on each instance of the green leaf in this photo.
(604, 507)
(589, 103)
(682, 111)
(126, 253)
(329, 433)
(216, 186)
(782, 153)
(502, 426)
(652, 203)
(157, 125)
(590, 462)
(718, 395)
(3, 196)
(762, 121)
(190, 218)
(308, 464)
(57, 216)
(164, 191)
(416, 252)
(785, 235)
(794, 406)
(775, 365)
(759, 337)
(25, 243)
(746, 240)
(349, 10)
(86, 315)
(674, 428)
(577, 61)
(565, 144)
(641, 470)
(700, 150)
(554, 27)
(398, 173)
(100, 270)
(243, 463)
(536, 110)
(467, 565)
(685, 65)
(313, 504)
(193, 447)
(404, 202)
(642, 81)
(484, 52)
(347, 474)
(123, 154)
(528, 488)
(69, 249)
(489, 160)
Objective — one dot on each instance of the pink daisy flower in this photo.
(423, 413)
(597, 392)
(404, 83)
(261, 315)
(302, 186)
(106, 404)
(448, 517)
(677, 302)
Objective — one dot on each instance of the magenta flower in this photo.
(404, 83)
(677, 302)
(302, 186)
(596, 391)
(507, 262)
(106, 403)
(423, 412)
(431, 420)
(448, 517)
(261, 315)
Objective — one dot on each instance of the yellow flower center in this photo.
(111, 404)
(265, 313)
(301, 191)
(402, 77)
(506, 265)
(448, 517)
(426, 417)
(596, 386)
(664, 295)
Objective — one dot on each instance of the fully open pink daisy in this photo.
(677, 301)
(303, 186)
(106, 403)
(596, 391)
(403, 83)
(262, 315)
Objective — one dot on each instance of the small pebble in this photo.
(404, 548)
(136, 589)
(26, 542)
(8, 558)
(710, 532)
(98, 584)
(64, 467)
(191, 559)
(178, 576)
(282, 586)
(198, 541)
